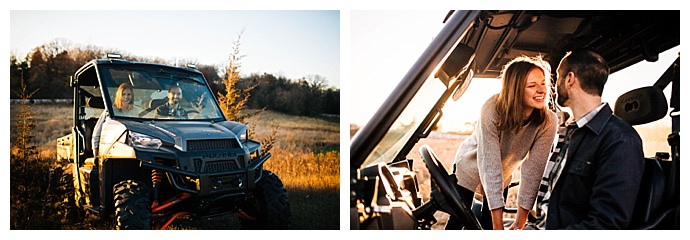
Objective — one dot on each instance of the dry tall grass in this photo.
(306, 157)
(52, 121)
(306, 149)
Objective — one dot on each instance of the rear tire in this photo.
(132, 205)
(269, 206)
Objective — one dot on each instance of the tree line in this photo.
(47, 70)
(306, 96)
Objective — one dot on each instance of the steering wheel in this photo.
(446, 187)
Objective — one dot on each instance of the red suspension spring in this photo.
(156, 175)
(156, 178)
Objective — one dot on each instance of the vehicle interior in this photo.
(385, 187)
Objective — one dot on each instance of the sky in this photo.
(384, 45)
(288, 43)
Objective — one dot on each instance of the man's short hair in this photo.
(173, 87)
(589, 67)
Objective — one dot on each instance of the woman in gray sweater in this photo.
(515, 128)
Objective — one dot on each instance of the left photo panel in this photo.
(177, 120)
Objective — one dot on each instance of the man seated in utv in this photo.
(172, 109)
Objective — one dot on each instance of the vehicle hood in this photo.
(178, 132)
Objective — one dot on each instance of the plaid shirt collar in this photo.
(589, 116)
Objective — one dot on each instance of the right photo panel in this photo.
(514, 120)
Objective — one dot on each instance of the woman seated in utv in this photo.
(122, 106)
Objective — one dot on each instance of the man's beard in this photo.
(562, 95)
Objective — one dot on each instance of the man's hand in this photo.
(199, 103)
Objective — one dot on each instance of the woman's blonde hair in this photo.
(509, 104)
(118, 96)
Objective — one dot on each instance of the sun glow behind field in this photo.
(466, 110)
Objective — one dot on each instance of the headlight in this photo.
(243, 136)
(143, 141)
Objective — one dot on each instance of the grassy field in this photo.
(306, 157)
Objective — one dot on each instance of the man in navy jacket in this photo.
(598, 183)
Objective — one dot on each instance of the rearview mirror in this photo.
(463, 85)
(457, 63)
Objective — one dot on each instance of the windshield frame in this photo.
(372, 134)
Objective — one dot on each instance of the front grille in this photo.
(220, 166)
(212, 144)
(216, 166)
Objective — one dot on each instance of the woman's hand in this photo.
(497, 219)
(520, 219)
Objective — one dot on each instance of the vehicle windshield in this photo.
(407, 123)
(157, 93)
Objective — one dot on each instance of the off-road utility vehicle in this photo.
(385, 188)
(152, 169)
